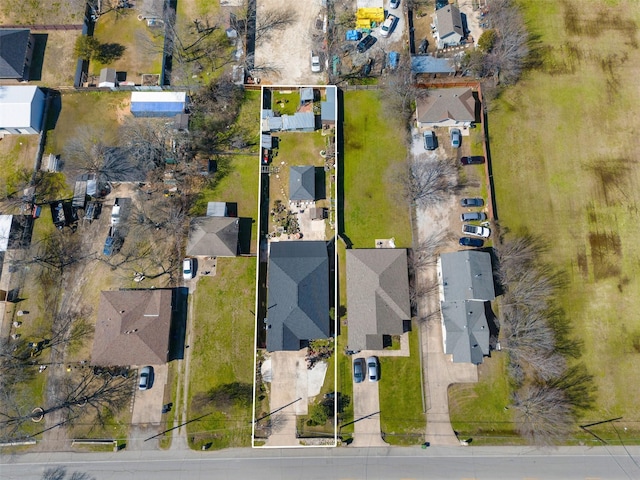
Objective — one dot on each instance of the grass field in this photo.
(570, 174)
(402, 421)
(374, 145)
(222, 351)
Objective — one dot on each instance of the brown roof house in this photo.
(377, 296)
(214, 237)
(446, 107)
(132, 328)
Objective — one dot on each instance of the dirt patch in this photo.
(285, 57)
(58, 60)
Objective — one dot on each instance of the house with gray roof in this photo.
(328, 108)
(302, 183)
(430, 65)
(466, 285)
(449, 28)
(446, 107)
(297, 294)
(377, 296)
(213, 237)
(132, 328)
(16, 50)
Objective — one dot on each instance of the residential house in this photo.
(16, 51)
(132, 328)
(449, 28)
(377, 296)
(302, 183)
(297, 294)
(446, 107)
(466, 285)
(21, 109)
(213, 236)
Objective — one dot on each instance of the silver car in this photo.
(373, 369)
(146, 378)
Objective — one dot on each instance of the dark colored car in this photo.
(366, 43)
(471, 202)
(471, 242)
(358, 370)
(394, 4)
(477, 160)
(441, 4)
(430, 140)
(473, 217)
(373, 369)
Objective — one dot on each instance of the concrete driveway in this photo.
(366, 414)
(147, 406)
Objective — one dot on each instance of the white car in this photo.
(476, 231)
(315, 63)
(389, 24)
(187, 269)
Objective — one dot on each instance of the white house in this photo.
(449, 30)
(21, 109)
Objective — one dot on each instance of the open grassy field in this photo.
(565, 164)
(222, 351)
(374, 145)
(402, 421)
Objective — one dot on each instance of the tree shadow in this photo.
(110, 52)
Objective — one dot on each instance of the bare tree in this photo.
(543, 415)
(426, 250)
(271, 20)
(428, 182)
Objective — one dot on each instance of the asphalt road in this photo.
(340, 463)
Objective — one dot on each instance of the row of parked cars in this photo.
(476, 232)
(371, 367)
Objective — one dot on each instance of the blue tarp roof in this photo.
(429, 64)
(157, 108)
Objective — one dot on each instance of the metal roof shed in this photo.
(300, 121)
(158, 104)
(21, 109)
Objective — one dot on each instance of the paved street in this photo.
(490, 463)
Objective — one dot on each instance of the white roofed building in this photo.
(21, 109)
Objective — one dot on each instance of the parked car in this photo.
(430, 140)
(477, 160)
(388, 25)
(366, 68)
(358, 370)
(146, 378)
(187, 268)
(366, 43)
(456, 138)
(473, 217)
(471, 242)
(315, 63)
(476, 231)
(112, 243)
(373, 369)
(471, 202)
(394, 4)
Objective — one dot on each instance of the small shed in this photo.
(181, 122)
(306, 95)
(79, 194)
(299, 121)
(158, 104)
(108, 78)
(266, 141)
(216, 209)
(302, 183)
(328, 108)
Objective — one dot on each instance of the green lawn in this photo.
(222, 351)
(563, 146)
(402, 420)
(373, 148)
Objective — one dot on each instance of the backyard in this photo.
(374, 147)
(578, 169)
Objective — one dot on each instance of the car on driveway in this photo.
(146, 378)
(373, 369)
(471, 242)
(187, 269)
(358, 370)
(430, 140)
(393, 4)
(473, 217)
(456, 138)
(475, 160)
(366, 43)
(476, 231)
(471, 202)
(315, 63)
(388, 25)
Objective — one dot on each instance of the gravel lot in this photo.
(289, 51)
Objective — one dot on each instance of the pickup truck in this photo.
(388, 25)
(116, 211)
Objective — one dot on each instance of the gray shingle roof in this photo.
(14, 44)
(132, 328)
(467, 275)
(302, 183)
(213, 237)
(377, 296)
(298, 294)
(449, 21)
(466, 331)
(444, 104)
